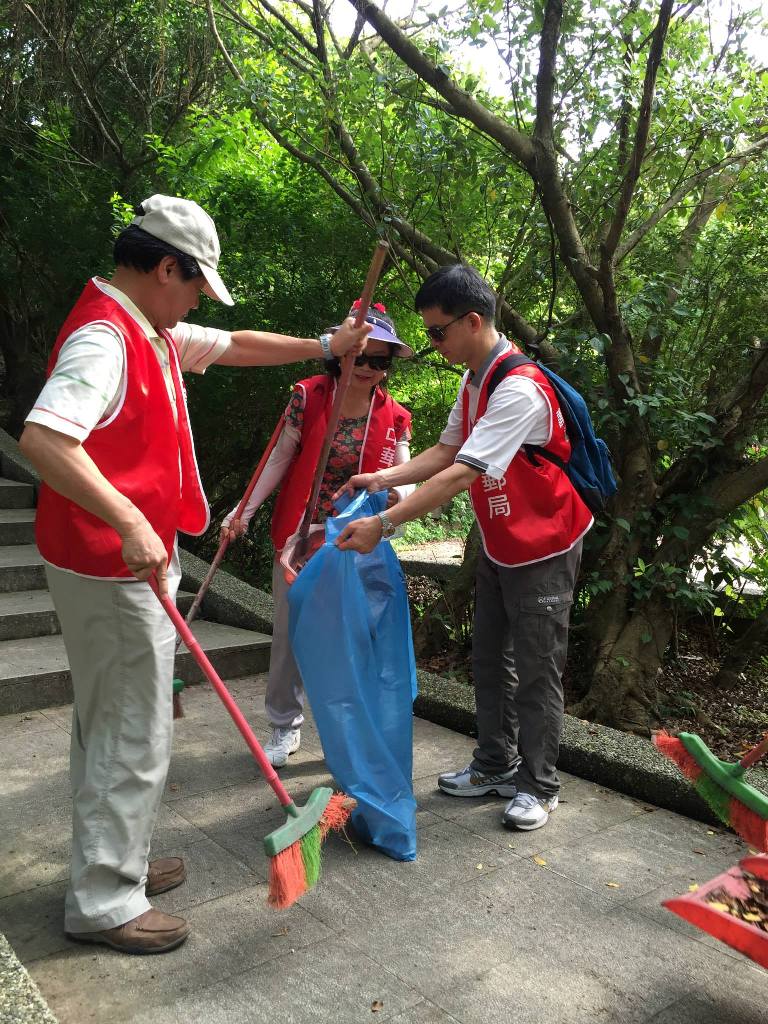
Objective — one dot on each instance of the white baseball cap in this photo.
(188, 228)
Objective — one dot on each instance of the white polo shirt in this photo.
(86, 382)
(517, 414)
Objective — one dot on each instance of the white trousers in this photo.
(120, 645)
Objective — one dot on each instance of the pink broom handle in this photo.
(755, 754)
(222, 549)
(227, 700)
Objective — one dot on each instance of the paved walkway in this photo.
(559, 926)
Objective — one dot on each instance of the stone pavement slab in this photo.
(563, 925)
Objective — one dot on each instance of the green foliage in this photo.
(94, 121)
(451, 522)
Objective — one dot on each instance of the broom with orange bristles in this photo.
(294, 848)
(721, 783)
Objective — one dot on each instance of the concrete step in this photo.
(16, 495)
(17, 526)
(28, 613)
(34, 672)
(21, 568)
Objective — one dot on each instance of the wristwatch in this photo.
(388, 528)
(325, 344)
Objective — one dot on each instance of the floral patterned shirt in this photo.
(344, 457)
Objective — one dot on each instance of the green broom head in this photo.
(721, 785)
(294, 849)
(725, 776)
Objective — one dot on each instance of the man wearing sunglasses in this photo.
(532, 523)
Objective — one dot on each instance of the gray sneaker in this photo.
(528, 812)
(470, 782)
(281, 744)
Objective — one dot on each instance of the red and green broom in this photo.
(721, 783)
(294, 848)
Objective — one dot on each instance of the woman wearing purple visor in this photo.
(373, 433)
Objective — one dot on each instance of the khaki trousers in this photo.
(120, 645)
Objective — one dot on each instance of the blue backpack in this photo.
(589, 468)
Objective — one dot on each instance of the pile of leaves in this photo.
(752, 910)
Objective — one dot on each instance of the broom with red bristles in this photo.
(722, 784)
(294, 848)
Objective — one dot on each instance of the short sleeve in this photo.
(198, 347)
(85, 384)
(517, 414)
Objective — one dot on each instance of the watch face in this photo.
(387, 529)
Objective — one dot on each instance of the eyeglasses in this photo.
(375, 362)
(437, 333)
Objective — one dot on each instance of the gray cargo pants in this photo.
(519, 644)
(285, 689)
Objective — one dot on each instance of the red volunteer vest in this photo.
(533, 512)
(139, 449)
(387, 422)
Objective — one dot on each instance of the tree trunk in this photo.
(450, 617)
(622, 693)
(744, 650)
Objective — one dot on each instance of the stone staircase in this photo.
(33, 663)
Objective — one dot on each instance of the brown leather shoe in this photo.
(150, 932)
(165, 874)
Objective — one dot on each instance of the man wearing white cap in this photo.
(110, 437)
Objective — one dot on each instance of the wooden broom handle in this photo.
(374, 271)
(224, 544)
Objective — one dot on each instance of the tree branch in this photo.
(113, 143)
(355, 37)
(733, 159)
(641, 133)
(220, 43)
(291, 54)
(513, 141)
(545, 76)
(723, 495)
(286, 23)
(735, 413)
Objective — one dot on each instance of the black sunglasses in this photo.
(375, 362)
(437, 333)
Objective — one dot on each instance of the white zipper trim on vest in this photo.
(365, 435)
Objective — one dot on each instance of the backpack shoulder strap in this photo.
(510, 362)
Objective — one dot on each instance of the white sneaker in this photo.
(281, 743)
(527, 812)
(470, 782)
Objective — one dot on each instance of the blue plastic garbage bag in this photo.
(351, 637)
